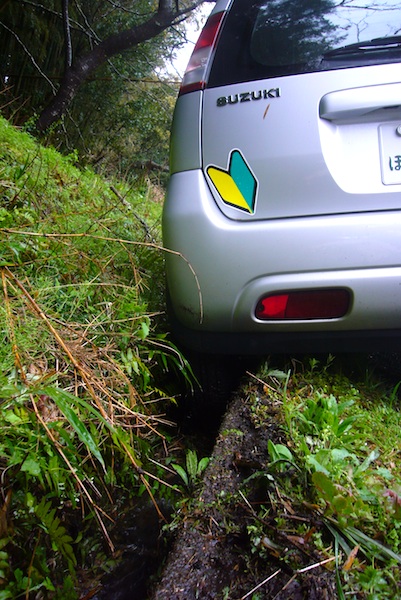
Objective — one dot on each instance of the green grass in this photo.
(339, 471)
(80, 361)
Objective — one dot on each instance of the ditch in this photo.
(207, 553)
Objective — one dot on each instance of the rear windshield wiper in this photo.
(383, 43)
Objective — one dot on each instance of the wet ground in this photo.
(208, 557)
(211, 557)
(140, 551)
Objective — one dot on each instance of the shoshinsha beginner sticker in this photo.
(237, 186)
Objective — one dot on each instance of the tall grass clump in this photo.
(81, 284)
(337, 475)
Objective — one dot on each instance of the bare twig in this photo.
(67, 34)
(137, 217)
(31, 57)
(316, 565)
(308, 568)
(272, 576)
(81, 370)
(11, 329)
(270, 387)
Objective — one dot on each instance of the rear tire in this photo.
(217, 377)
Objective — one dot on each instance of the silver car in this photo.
(283, 211)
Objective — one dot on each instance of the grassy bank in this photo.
(333, 482)
(80, 361)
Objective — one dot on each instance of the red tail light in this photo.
(194, 76)
(312, 304)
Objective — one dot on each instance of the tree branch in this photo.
(67, 35)
(31, 57)
(79, 71)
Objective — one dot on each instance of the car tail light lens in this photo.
(312, 304)
(194, 76)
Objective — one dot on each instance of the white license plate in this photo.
(390, 153)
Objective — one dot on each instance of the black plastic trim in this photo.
(258, 344)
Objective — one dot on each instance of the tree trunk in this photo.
(84, 66)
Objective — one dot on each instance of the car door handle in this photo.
(355, 102)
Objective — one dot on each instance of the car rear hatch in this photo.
(292, 124)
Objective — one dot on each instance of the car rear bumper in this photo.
(219, 268)
(260, 343)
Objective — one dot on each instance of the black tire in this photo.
(217, 377)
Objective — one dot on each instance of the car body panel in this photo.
(185, 145)
(284, 184)
(226, 266)
(304, 164)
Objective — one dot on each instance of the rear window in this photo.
(262, 39)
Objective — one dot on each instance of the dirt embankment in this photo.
(212, 556)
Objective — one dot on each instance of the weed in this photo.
(280, 456)
(80, 359)
(340, 462)
(193, 470)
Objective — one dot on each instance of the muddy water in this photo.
(137, 537)
(138, 534)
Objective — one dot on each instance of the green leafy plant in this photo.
(59, 538)
(280, 456)
(193, 470)
(81, 363)
(337, 463)
(322, 414)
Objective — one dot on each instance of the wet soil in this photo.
(140, 549)
(211, 557)
(210, 554)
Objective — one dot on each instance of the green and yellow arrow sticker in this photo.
(238, 185)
